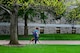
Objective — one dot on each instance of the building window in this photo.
(41, 30)
(73, 30)
(57, 29)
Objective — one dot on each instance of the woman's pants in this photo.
(36, 38)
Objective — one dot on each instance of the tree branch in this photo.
(3, 7)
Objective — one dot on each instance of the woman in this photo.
(36, 34)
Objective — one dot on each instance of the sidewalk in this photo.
(44, 42)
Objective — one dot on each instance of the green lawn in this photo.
(60, 37)
(41, 49)
(47, 37)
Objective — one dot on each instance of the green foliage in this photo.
(6, 17)
(31, 13)
(20, 12)
(43, 16)
(57, 6)
(74, 14)
(6, 2)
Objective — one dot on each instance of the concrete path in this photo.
(2, 42)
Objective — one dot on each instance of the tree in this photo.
(74, 13)
(11, 7)
(55, 6)
(29, 8)
(28, 12)
(4, 16)
(32, 13)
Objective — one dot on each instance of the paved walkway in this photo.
(43, 42)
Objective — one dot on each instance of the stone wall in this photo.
(46, 30)
(49, 30)
(4, 30)
(66, 30)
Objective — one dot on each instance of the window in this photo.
(41, 30)
(57, 29)
(73, 30)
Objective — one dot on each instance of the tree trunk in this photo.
(13, 23)
(13, 31)
(14, 28)
(26, 26)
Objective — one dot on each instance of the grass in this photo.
(41, 49)
(60, 37)
(47, 37)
